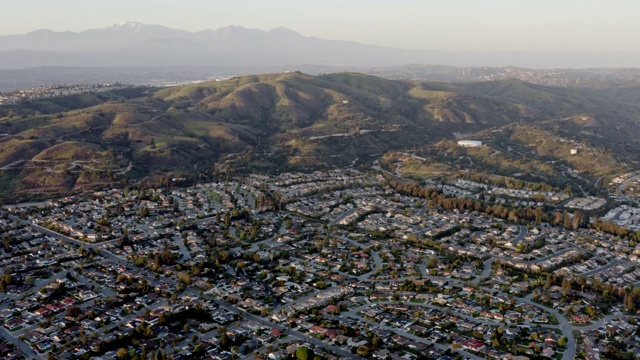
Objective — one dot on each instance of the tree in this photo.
(567, 221)
(363, 350)
(562, 342)
(566, 286)
(303, 353)
(7, 241)
(224, 339)
(577, 220)
(185, 278)
(377, 341)
(629, 305)
(549, 282)
(73, 311)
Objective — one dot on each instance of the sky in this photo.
(477, 25)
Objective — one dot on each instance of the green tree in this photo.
(562, 342)
(303, 353)
(566, 286)
(363, 350)
(567, 221)
(377, 341)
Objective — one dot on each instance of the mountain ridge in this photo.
(236, 45)
(291, 121)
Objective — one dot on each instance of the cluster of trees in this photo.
(155, 261)
(5, 281)
(144, 354)
(516, 215)
(7, 241)
(629, 296)
(416, 286)
(510, 183)
(250, 233)
(615, 229)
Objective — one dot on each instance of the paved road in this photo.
(186, 255)
(376, 258)
(91, 128)
(567, 329)
(148, 121)
(486, 272)
(256, 245)
(596, 184)
(448, 310)
(62, 237)
(102, 289)
(601, 269)
(604, 321)
(107, 254)
(522, 234)
(26, 349)
(344, 215)
(538, 260)
(626, 183)
(544, 258)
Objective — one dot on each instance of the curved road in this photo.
(486, 272)
(567, 329)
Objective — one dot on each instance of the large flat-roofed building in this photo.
(469, 143)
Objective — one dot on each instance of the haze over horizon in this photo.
(460, 25)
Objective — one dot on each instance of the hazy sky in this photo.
(491, 25)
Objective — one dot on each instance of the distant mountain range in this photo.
(136, 44)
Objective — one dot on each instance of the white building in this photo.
(469, 143)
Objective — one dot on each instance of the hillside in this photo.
(293, 121)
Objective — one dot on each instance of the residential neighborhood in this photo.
(337, 264)
(50, 91)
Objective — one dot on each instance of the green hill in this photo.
(293, 121)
